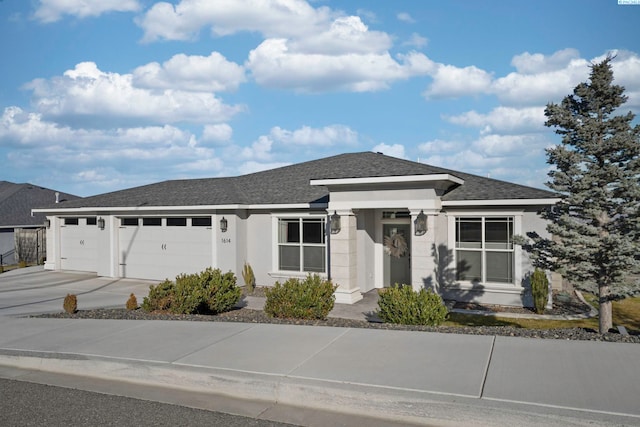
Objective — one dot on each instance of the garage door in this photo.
(161, 248)
(78, 244)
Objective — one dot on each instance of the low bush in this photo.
(540, 290)
(403, 305)
(209, 291)
(70, 303)
(311, 298)
(160, 296)
(221, 292)
(132, 303)
(22, 264)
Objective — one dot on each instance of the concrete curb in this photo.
(393, 404)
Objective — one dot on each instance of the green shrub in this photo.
(403, 305)
(311, 298)
(160, 296)
(248, 277)
(221, 292)
(70, 303)
(132, 303)
(209, 291)
(540, 290)
(187, 295)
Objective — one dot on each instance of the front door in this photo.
(397, 255)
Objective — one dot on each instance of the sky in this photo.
(101, 95)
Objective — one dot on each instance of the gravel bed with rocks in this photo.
(257, 316)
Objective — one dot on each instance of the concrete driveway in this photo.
(33, 290)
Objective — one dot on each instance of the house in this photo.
(365, 220)
(17, 224)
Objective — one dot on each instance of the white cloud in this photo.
(523, 146)
(326, 136)
(540, 88)
(272, 18)
(53, 10)
(217, 133)
(511, 157)
(416, 40)
(405, 17)
(539, 78)
(272, 64)
(438, 146)
(454, 82)
(503, 120)
(395, 150)
(196, 73)
(91, 94)
(345, 35)
(537, 63)
(259, 150)
(101, 159)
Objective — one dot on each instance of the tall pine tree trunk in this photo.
(606, 313)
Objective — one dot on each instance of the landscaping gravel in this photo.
(256, 316)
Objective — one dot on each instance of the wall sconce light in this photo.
(420, 224)
(47, 223)
(101, 223)
(335, 223)
(223, 225)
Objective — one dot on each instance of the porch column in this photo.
(422, 260)
(344, 260)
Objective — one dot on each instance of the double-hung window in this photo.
(484, 249)
(302, 245)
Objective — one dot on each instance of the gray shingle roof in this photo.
(17, 200)
(290, 185)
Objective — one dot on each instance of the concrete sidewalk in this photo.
(418, 377)
(438, 379)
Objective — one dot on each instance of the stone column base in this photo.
(348, 296)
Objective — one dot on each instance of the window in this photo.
(484, 249)
(129, 222)
(176, 222)
(302, 245)
(201, 221)
(71, 221)
(92, 220)
(154, 222)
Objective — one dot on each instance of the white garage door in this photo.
(78, 244)
(162, 248)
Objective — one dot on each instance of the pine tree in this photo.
(596, 223)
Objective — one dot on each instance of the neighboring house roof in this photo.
(17, 200)
(291, 185)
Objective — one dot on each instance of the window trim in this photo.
(517, 216)
(275, 266)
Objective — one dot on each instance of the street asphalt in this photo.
(412, 377)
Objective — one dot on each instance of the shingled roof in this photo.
(17, 200)
(291, 185)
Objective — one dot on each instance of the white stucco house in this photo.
(365, 220)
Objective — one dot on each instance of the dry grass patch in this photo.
(625, 313)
